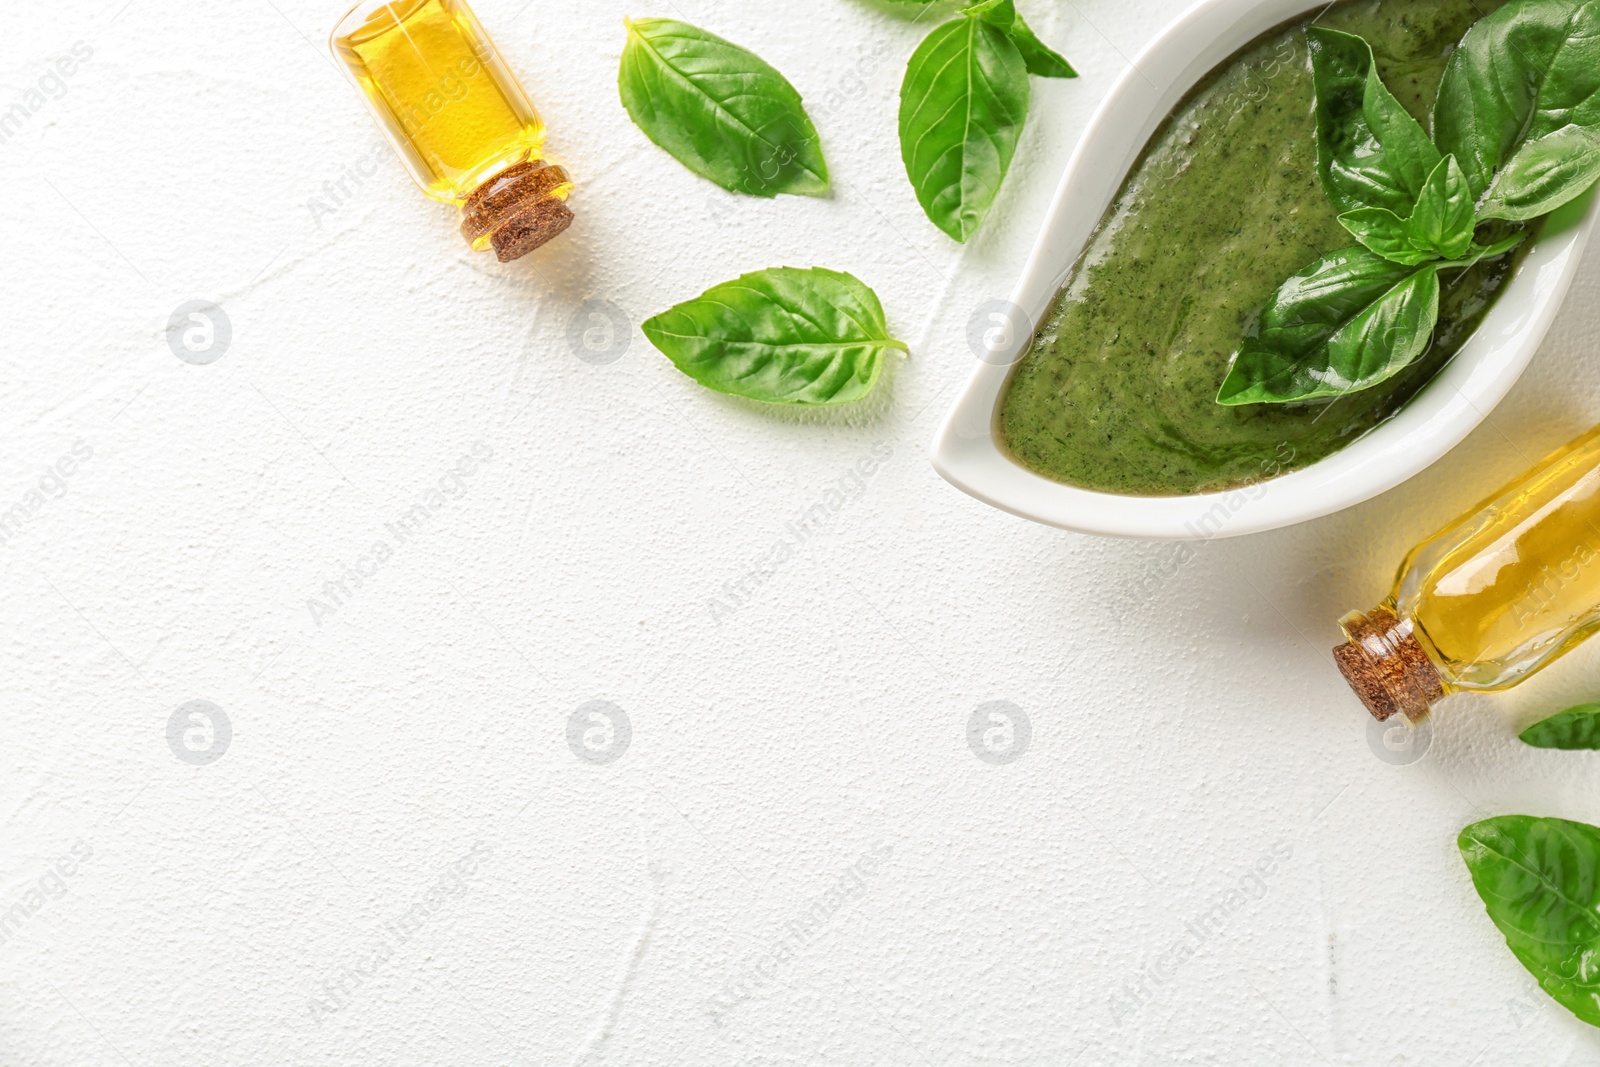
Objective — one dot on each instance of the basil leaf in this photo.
(1545, 174)
(1041, 60)
(1521, 73)
(1540, 881)
(1574, 728)
(1444, 219)
(1347, 322)
(1441, 226)
(720, 110)
(783, 336)
(962, 106)
(1370, 151)
(1387, 234)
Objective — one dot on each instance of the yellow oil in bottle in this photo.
(1495, 596)
(457, 117)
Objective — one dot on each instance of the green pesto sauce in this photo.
(1118, 390)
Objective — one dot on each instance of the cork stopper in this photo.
(1385, 664)
(517, 210)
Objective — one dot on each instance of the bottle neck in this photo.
(518, 209)
(1386, 665)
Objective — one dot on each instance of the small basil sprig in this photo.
(963, 104)
(1439, 226)
(720, 110)
(782, 336)
(1518, 135)
(1575, 728)
(1540, 882)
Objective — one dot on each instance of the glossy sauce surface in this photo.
(1117, 391)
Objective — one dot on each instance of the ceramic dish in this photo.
(968, 452)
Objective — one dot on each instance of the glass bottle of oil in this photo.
(1495, 596)
(458, 118)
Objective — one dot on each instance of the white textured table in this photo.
(398, 859)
